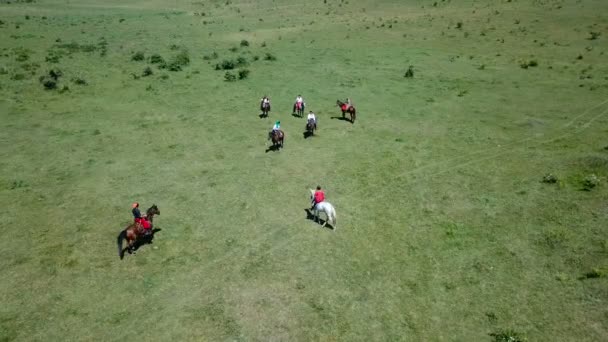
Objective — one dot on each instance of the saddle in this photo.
(345, 107)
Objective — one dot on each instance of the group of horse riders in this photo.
(145, 226)
(299, 105)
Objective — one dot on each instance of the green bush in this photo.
(549, 178)
(410, 72)
(507, 336)
(229, 77)
(138, 56)
(270, 57)
(156, 59)
(240, 61)
(147, 72)
(590, 182)
(213, 55)
(226, 64)
(243, 74)
(244, 43)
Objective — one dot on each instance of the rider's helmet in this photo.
(278, 122)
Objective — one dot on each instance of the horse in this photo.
(265, 108)
(278, 138)
(346, 108)
(299, 108)
(325, 207)
(134, 231)
(311, 126)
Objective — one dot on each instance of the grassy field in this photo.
(446, 230)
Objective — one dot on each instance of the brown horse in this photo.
(346, 108)
(277, 137)
(311, 126)
(265, 108)
(135, 231)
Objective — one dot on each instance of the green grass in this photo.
(446, 230)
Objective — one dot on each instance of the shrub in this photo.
(226, 64)
(18, 77)
(240, 61)
(459, 25)
(590, 182)
(243, 74)
(549, 178)
(55, 74)
(64, 89)
(229, 77)
(263, 44)
(174, 47)
(79, 81)
(147, 72)
(182, 58)
(594, 35)
(244, 43)
(270, 57)
(507, 336)
(256, 57)
(52, 58)
(138, 56)
(595, 273)
(156, 59)
(49, 83)
(410, 72)
(213, 55)
(3, 71)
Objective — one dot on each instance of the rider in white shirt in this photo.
(311, 115)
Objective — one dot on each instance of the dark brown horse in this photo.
(135, 231)
(277, 137)
(265, 108)
(311, 126)
(346, 108)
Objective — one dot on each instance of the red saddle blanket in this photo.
(144, 223)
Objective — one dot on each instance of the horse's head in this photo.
(312, 194)
(153, 210)
(339, 103)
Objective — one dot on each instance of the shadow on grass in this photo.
(140, 242)
(307, 134)
(321, 222)
(341, 118)
(273, 148)
(262, 115)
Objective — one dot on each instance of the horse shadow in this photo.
(307, 134)
(341, 118)
(296, 115)
(262, 115)
(311, 216)
(146, 240)
(273, 148)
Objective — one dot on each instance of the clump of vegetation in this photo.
(50, 80)
(147, 72)
(52, 58)
(233, 49)
(595, 273)
(530, 63)
(138, 56)
(22, 55)
(17, 77)
(213, 55)
(270, 57)
(243, 74)
(410, 72)
(590, 182)
(241, 61)
(549, 178)
(156, 59)
(508, 335)
(459, 25)
(79, 81)
(263, 44)
(3, 71)
(180, 60)
(229, 77)
(256, 57)
(226, 64)
(594, 35)
(244, 43)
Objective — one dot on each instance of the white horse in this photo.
(325, 207)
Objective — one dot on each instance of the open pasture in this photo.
(470, 193)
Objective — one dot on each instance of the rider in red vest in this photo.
(141, 220)
(318, 197)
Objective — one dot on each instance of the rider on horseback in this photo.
(264, 102)
(141, 221)
(311, 116)
(276, 127)
(318, 197)
(299, 104)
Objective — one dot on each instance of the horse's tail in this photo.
(333, 217)
(121, 236)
